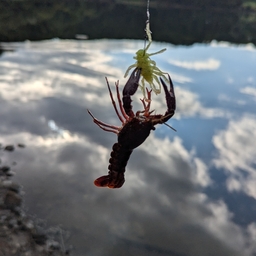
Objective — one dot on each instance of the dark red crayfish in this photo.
(135, 127)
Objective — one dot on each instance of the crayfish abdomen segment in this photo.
(117, 163)
(119, 158)
(132, 135)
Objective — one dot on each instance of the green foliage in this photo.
(249, 5)
(187, 3)
(175, 21)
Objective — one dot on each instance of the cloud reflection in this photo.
(159, 205)
(237, 154)
(250, 91)
(209, 64)
(163, 208)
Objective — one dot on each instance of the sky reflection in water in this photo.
(189, 193)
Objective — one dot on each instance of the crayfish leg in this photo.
(104, 126)
(146, 106)
(114, 103)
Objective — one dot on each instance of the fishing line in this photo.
(170, 127)
(148, 14)
(147, 28)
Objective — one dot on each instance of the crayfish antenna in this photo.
(170, 127)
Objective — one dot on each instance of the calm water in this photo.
(187, 193)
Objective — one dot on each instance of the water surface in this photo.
(187, 193)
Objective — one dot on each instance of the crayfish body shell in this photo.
(134, 133)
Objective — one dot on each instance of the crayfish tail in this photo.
(110, 182)
(102, 181)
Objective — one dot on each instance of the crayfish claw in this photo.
(170, 99)
(130, 88)
(132, 84)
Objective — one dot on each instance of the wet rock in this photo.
(39, 237)
(5, 169)
(9, 148)
(12, 200)
(53, 245)
(20, 145)
(10, 185)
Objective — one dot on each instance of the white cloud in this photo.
(250, 91)
(161, 205)
(209, 64)
(161, 193)
(189, 105)
(169, 151)
(52, 68)
(237, 155)
(251, 233)
(242, 47)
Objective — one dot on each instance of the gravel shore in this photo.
(20, 235)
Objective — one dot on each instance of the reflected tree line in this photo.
(175, 21)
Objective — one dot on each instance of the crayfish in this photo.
(135, 127)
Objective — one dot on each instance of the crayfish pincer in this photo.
(135, 127)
